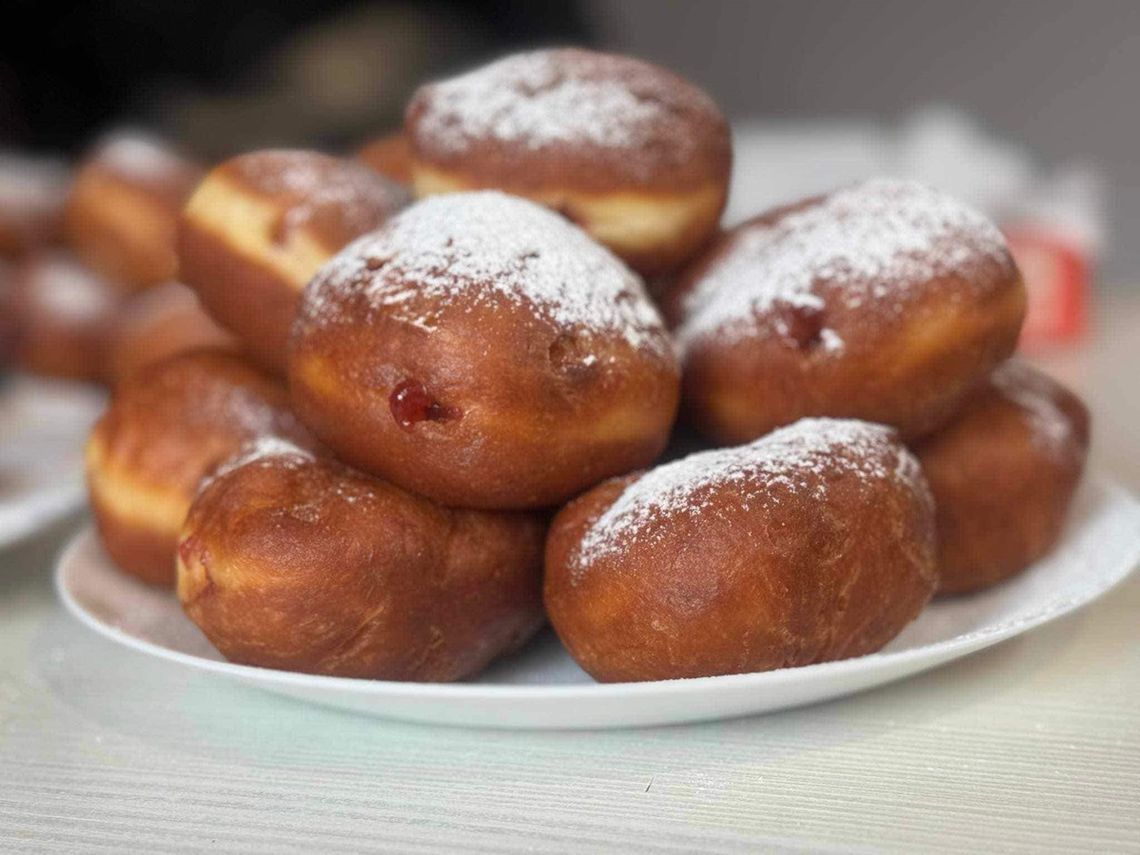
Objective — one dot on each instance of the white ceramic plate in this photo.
(542, 688)
(43, 425)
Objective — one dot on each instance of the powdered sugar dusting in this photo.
(260, 450)
(872, 243)
(1035, 393)
(139, 155)
(281, 454)
(469, 249)
(65, 290)
(789, 460)
(361, 198)
(555, 97)
(31, 186)
(251, 413)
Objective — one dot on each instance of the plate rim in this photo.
(44, 504)
(48, 506)
(962, 644)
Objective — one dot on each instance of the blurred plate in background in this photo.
(43, 425)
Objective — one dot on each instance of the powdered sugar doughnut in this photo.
(10, 322)
(167, 425)
(483, 351)
(260, 224)
(637, 156)
(813, 543)
(421, 592)
(32, 195)
(123, 209)
(159, 323)
(64, 316)
(1003, 473)
(886, 301)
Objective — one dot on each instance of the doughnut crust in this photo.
(167, 425)
(260, 224)
(635, 155)
(1003, 473)
(10, 321)
(32, 196)
(482, 351)
(63, 318)
(293, 562)
(390, 156)
(813, 543)
(158, 323)
(122, 213)
(886, 301)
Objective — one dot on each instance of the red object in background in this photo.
(1058, 276)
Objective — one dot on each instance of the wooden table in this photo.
(1031, 746)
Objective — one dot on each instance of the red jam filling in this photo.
(410, 404)
(804, 325)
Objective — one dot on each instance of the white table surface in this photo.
(1032, 746)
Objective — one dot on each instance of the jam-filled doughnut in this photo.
(261, 223)
(299, 563)
(64, 317)
(813, 543)
(160, 322)
(390, 156)
(483, 351)
(122, 213)
(166, 426)
(32, 196)
(635, 155)
(886, 301)
(1003, 473)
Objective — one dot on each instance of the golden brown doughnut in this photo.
(166, 426)
(158, 323)
(390, 156)
(1003, 473)
(10, 321)
(123, 209)
(293, 562)
(260, 224)
(635, 155)
(32, 195)
(813, 543)
(64, 317)
(481, 350)
(886, 301)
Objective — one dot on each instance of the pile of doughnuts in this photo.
(260, 225)
(439, 415)
(87, 261)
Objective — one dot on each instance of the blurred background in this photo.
(1024, 108)
(110, 111)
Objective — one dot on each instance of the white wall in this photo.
(1063, 77)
